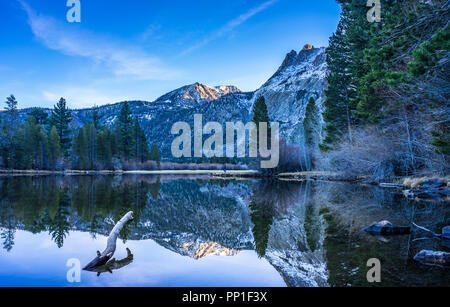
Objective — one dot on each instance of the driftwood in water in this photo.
(114, 264)
(445, 232)
(103, 258)
(386, 228)
(433, 258)
(390, 185)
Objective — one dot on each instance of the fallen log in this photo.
(433, 258)
(103, 258)
(114, 264)
(390, 185)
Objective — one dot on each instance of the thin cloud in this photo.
(153, 31)
(230, 26)
(123, 60)
(80, 97)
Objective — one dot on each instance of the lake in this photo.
(202, 231)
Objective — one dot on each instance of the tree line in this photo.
(46, 142)
(57, 200)
(387, 89)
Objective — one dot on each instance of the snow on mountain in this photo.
(197, 93)
(302, 75)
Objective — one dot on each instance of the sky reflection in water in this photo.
(35, 260)
(274, 233)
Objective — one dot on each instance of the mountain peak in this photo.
(293, 59)
(199, 92)
(308, 47)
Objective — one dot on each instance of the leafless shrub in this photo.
(129, 166)
(292, 158)
(171, 166)
(382, 154)
(149, 166)
(116, 164)
(369, 153)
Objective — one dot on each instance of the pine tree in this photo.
(392, 75)
(338, 113)
(311, 124)
(104, 148)
(262, 219)
(11, 108)
(155, 155)
(16, 153)
(40, 116)
(92, 145)
(311, 131)
(96, 119)
(154, 189)
(81, 150)
(261, 115)
(9, 131)
(140, 153)
(124, 130)
(42, 149)
(60, 226)
(61, 118)
(54, 148)
(35, 145)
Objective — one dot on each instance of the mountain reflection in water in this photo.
(227, 232)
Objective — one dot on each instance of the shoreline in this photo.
(287, 176)
(4, 172)
(439, 188)
(229, 174)
(236, 174)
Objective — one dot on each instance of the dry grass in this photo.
(415, 182)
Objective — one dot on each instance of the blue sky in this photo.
(127, 50)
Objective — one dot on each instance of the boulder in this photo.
(446, 236)
(433, 183)
(386, 228)
(427, 193)
(433, 258)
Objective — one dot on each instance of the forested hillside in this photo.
(387, 109)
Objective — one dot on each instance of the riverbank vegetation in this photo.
(387, 99)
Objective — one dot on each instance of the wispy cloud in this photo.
(122, 59)
(153, 31)
(230, 26)
(80, 97)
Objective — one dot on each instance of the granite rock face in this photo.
(301, 76)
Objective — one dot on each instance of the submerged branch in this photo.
(103, 258)
(427, 230)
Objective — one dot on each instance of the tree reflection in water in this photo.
(56, 204)
(272, 198)
(310, 232)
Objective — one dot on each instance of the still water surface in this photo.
(199, 231)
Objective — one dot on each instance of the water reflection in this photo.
(271, 198)
(8, 230)
(60, 204)
(113, 264)
(310, 233)
(350, 208)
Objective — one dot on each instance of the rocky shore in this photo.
(427, 188)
